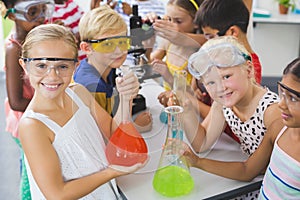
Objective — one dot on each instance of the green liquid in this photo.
(173, 181)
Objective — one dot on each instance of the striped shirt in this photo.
(282, 178)
(144, 7)
(69, 13)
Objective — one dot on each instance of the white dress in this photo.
(80, 147)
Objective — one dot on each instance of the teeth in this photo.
(51, 86)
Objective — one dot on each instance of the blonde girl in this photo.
(63, 128)
(278, 152)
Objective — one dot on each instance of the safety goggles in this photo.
(109, 45)
(32, 10)
(291, 97)
(42, 66)
(219, 55)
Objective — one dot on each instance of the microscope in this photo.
(139, 31)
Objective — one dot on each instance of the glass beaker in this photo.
(179, 85)
(178, 93)
(126, 146)
(173, 178)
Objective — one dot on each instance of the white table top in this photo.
(279, 19)
(139, 185)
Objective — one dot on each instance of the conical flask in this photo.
(172, 178)
(126, 146)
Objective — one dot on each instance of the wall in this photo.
(1, 46)
(275, 44)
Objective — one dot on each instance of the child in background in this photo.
(224, 66)
(104, 40)
(124, 7)
(227, 17)
(68, 13)
(144, 8)
(19, 91)
(278, 153)
(61, 129)
(180, 15)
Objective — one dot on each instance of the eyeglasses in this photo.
(42, 66)
(32, 10)
(220, 55)
(109, 45)
(291, 97)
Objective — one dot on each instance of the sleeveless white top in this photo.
(80, 147)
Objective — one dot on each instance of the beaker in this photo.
(178, 93)
(126, 146)
(173, 178)
(179, 85)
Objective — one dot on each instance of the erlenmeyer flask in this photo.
(126, 146)
(172, 177)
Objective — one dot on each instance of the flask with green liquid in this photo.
(173, 178)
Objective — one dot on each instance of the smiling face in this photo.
(227, 85)
(51, 84)
(290, 101)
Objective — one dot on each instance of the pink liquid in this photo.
(126, 146)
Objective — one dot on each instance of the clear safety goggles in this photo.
(42, 66)
(290, 96)
(109, 45)
(32, 10)
(219, 55)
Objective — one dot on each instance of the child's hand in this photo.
(166, 29)
(128, 85)
(161, 67)
(173, 101)
(95, 4)
(151, 17)
(163, 98)
(143, 119)
(167, 98)
(126, 8)
(123, 170)
(185, 150)
(200, 95)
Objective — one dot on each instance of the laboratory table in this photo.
(138, 186)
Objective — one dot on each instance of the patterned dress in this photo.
(251, 132)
